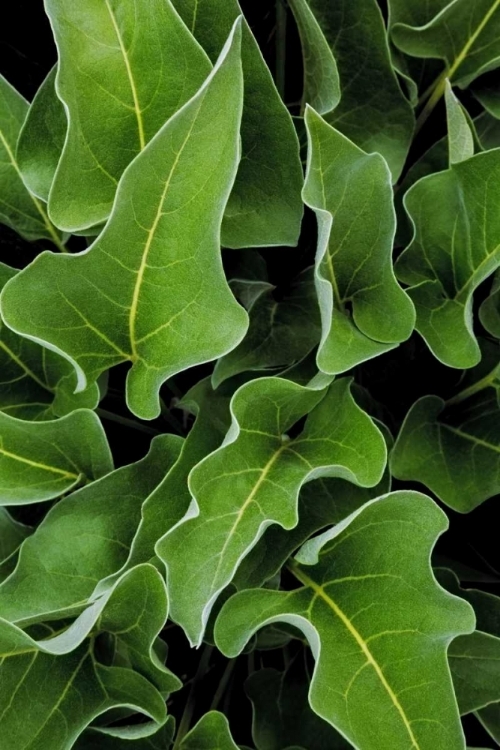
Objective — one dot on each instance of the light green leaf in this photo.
(41, 139)
(211, 733)
(460, 136)
(36, 383)
(321, 77)
(373, 111)
(43, 460)
(376, 619)
(282, 716)
(456, 453)
(86, 537)
(322, 502)
(351, 194)
(265, 207)
(464, 35)
(281, 333)
(456, 246)
(124, 69)
(68, 688)
(19, 209)
(133, 296)
(254, 479)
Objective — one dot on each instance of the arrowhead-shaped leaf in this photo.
(254, 479)
(211, 733)
(19, 209)
(83, 539)
(454, 452)
(281, 333)
(351, 194)
(376, 619)
(282, 717)
(41, 139)
(68, 688)
(456, 247)
(373, 111)
(123, 70)
(464, 35)
(460, 135)
(151, 289)
(43, 460)
(265, 207)
(36, 383)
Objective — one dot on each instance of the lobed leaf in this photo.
(375, 617)
(254, 479)
(150, 290)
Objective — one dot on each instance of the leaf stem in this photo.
(471, 390)
(438, 88)
(187, 714)
(281, 22)
(221, 689)
(112, 417)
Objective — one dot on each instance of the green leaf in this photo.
(41, 139)
(464, 35)
(12, 535)
(83, 684)
(43, 460)
(36, 383)
(123, 71)
(376, 619)
(455, 453)
(456, 246)
(211, 733)
(489, 312)
(322, 502)
(265, 207)
(281, 333)
(85, 538)
(460, 136)
(490, 719)
(321, 77)
(282, 716)
(163, 306)
(107, 739)
(254, 479)
(373, 111)
(19, 209)
(351, 194)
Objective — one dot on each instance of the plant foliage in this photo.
(250, 378)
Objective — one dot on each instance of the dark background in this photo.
(27, 53)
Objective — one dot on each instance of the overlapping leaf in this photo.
(19, 209)
(151, 289)
(114, 739)
(373, 111)
(41, 139)
(254, 479)
(12, 535)
(264, 208)
(376, 619)
(67, 687)
(85, 538)
(36, 383)
(211, 733)
(281, 332)
(364, 311)
(43, 460)
(124, 69)
(462, 34)
(456, 247)
(282, 715)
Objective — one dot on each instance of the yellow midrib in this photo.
(464, 52)
(319, 591)
(37, 465)
(24, 367)
(151, 233)
(46, 221)
(133, 88)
